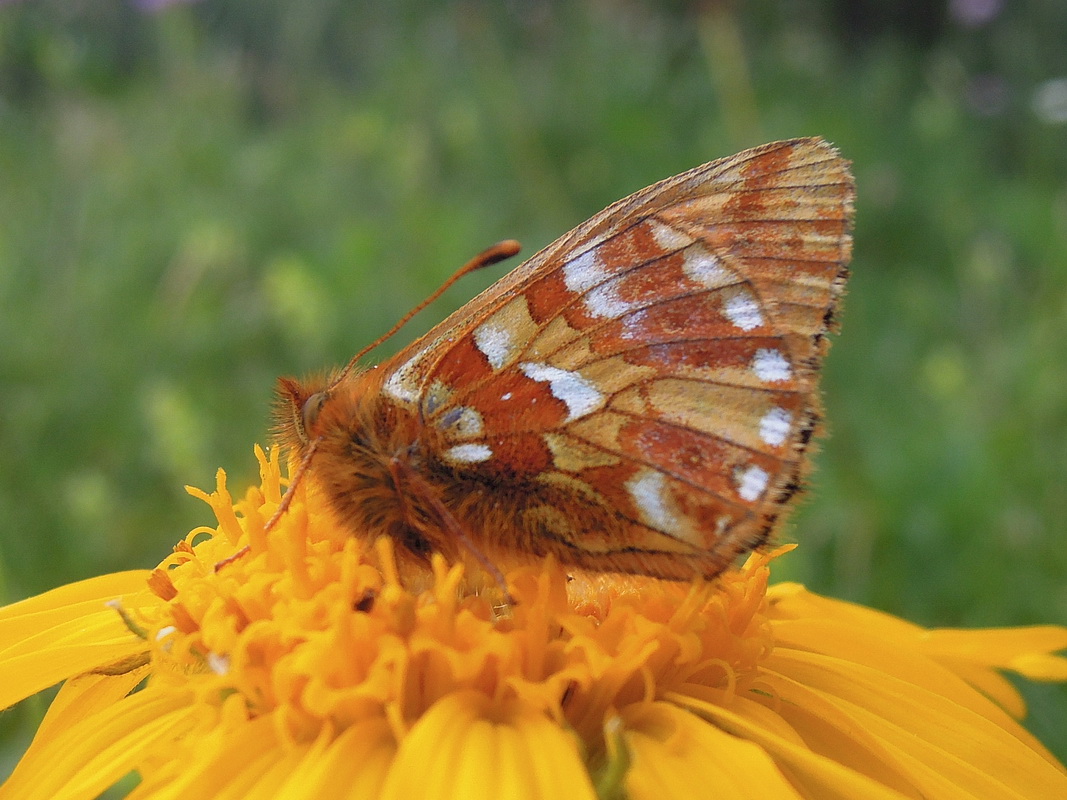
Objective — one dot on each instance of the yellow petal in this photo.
(84, 697)
(794, 601)
(676, 754)
(61, 650)
(1025, 650)
(262, 778)
(463, 746)
(65, 632)
(351, 767)
(890, 655)
(977, 754)
(92, 590)
(82, 760)
(228, 763)
(814, 775)
(993, 685)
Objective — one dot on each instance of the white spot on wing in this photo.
(669, 238)
(647, 488)
(402, 384)
(580, 395)
(469, 453)
(495, 343)
(704, 268)
(771, 366)
(604, 301)
(743, 311)
(584, 272)
(752, 483)
(775, 425)
(462, 422)
(634, 325)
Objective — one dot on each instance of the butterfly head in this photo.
(298, 411)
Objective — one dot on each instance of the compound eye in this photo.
(309, 414)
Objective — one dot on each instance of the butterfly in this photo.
(637, 397)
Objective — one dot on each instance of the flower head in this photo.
(311, 667)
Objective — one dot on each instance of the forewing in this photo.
(657, 366)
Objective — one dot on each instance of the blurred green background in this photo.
(196, 198)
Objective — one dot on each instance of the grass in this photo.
(198, 200)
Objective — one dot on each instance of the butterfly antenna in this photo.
(492, 255)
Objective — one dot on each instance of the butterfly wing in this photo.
(648, 382)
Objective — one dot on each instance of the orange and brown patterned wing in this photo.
(655, 371)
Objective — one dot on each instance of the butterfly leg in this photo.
(404, 475)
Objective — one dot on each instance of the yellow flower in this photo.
(306, 668)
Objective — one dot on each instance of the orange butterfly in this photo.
(638, 397)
